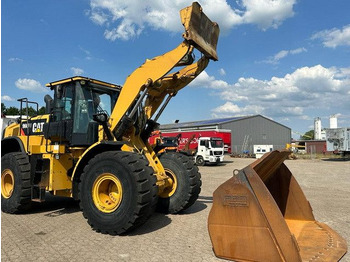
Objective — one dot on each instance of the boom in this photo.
(146, 88)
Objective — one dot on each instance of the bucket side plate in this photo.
(200, 30)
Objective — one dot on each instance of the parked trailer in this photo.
(224, 134)
(338, 140)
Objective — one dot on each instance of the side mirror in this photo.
(100, 118)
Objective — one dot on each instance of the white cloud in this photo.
(77, 71)
(43, 21)
(15, 59)
(267, 13)
(124, 31)
(282, 54)
(229, 109)
(204, 80)
(222, 72)
(86, 52)
(334, 37)
(97, 17)
(342, 72)
(30, 85)
(7, 98)
(127, 19)
(307, 89)
(298, 51)
(88, 55)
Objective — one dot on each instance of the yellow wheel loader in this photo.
(92, 145)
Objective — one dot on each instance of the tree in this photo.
(309, 135)
(12, 111)
(15, 111)
(3, 108)
(42, 110)
(31, 111)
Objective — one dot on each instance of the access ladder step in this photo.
(38, 194)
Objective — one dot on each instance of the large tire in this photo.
(186, 186)
(117, 192)
(15, 183)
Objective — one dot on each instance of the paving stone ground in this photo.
(56, 230)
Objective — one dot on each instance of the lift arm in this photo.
(146, 88)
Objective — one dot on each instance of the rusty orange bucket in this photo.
(261, 214)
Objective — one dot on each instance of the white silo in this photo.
(333, 122)
(317, 128)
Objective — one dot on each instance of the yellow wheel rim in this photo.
(107, 193)
(170, 189)
(7, 183)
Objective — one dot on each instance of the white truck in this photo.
(209, 150)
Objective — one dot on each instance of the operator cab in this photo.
(73, 109)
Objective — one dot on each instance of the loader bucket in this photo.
(261, 214)
(200, 30)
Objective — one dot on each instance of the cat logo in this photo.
(38, 127)
(33, 127)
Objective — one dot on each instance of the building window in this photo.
(264, 136)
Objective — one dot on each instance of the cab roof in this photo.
(86, 79)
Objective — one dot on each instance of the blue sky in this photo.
(288, 60)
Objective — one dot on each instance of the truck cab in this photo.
(210, 150)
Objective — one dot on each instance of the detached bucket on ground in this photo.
(261, 214)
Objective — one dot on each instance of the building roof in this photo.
(210, 122)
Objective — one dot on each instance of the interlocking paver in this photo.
(57, 231)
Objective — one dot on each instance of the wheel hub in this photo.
(7, 183)
(170, 189)
(107, 193)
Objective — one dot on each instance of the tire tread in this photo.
(21, 202)
(146, 190)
